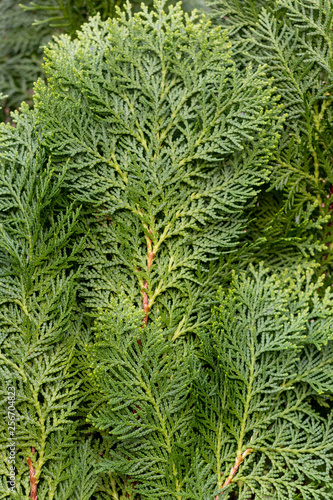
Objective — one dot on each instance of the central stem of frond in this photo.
(33, 481)
(234, 470)
(150, 259)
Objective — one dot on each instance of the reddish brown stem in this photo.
(234, 470)
(33, 481)
(133, 486)
(151, 257)
(145, 303)
(145, 299)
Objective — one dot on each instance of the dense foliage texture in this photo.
(126, 198)
(39, 389)
(26, 27)
(268, 360)
(167, 142)
(294, 39)
(20, 54)
(181, 428)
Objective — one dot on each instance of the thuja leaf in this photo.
(294, 39)
(166, 143)
(259, 430)
(148, 409)
(38, 287)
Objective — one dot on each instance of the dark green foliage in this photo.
(176, 425)
(69, 15)
(130, 388)
(145, 380)
(20, 53)
(268, 357)
(26, 27)
(37, 342)
(294, 40)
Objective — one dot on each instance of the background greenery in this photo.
(26, 27)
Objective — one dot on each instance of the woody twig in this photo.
(145, 299)
(33, 481)
(234, 470)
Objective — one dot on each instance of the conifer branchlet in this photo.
(294, 39)
(167, 142)
(37, 339)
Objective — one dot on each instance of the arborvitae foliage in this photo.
(241, 423)
(294, 39)
(267, 359)
(40, 392)
(167, 142)
(145, 381)
(147, 122)
(26, 27)
(69, 15)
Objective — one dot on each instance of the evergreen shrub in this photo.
(146, 359)
(26, 27)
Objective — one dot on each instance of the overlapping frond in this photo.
(38, 289)
(268, 358)
(167, 142)
(294, 39)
